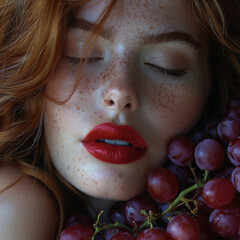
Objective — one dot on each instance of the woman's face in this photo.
(146, 80)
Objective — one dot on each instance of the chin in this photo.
(119, 194)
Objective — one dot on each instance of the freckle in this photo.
(78, 108)
(68, 167)
(78, 170)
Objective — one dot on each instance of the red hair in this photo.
(31, 47)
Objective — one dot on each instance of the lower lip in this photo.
(114, 153)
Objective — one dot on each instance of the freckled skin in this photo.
(123, 90)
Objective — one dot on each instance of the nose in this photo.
(120, 92)
(120, 98)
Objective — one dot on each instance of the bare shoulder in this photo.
(28, 211)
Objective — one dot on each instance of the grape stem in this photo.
(206, 173)
(99, 228)
(180, 198)
(150, 219)
(186, 202)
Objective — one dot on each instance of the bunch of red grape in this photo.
(194, 197)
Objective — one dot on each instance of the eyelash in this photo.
(173, 72)
(82, 60)
(155, 68)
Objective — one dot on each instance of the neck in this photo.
(96, 205)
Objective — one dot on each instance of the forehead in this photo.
(148, 14)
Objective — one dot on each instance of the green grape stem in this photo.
(150, 219)
(206, 174)
(99, 227)
(181, 196)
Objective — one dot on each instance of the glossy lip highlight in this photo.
(111, 153)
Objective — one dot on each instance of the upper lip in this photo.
(116, 132)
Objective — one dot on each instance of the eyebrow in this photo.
(172, 36)
(108, 33)
(87, 26)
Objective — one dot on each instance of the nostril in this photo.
(128, 105)
(111, 102)
(119, 100)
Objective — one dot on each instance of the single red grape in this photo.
(133, 207)
(233, 151)
(162, 185)
(77, 232)
(209, 155)
(235, 178)
(229, 129)
(181, 150)
(123, 236)
(183, 227)
(218, 192)
(226, 222)
(153, 234)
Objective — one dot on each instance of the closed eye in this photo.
(173, 72)
(82, 60)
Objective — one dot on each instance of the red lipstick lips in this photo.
(118, 144)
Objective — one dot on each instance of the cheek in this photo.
(66, 82)
(60, 140)
(177, 105)
(61, 85)
(53, 130)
